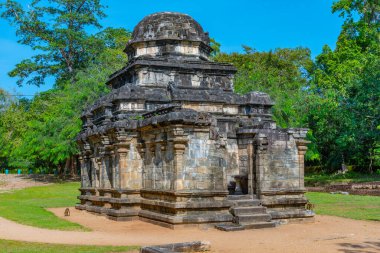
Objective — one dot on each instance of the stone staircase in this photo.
(248, 214)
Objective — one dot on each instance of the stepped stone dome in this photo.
(169, 26)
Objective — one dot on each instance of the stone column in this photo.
(84, 162)
(261, 161)
(83, 171)
(251, 166)
(165, 167)
(99, 163)
(94, 170)
(106, 162)
(152, 149)
(179, 145)
(115, 181)
(141, 148)
(121, 148)
(122, 151)
(302, 148)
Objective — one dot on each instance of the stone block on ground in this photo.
(196, 246)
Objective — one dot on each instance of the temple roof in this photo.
(169, 26)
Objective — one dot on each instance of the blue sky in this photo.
(261, 24)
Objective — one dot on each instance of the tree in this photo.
(58, 31)
(41, 134)
(215, 47)
(343, 104)
(281, 73)
(5, 100)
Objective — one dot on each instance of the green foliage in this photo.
(361, 20)
(41, 132)
(215, 47)
(321, 179)
(281, 73)
(57, 30)
(343, 104)
(8, 246)
(28, 206)
(348, 206)
(337, 96)
(5, 100)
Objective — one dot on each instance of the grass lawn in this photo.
(30, 247)
(27, 206)
(348, 206)
(321, 179)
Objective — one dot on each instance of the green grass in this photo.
(321, 179)
(348, 206)
(27, 206)
(31, 247)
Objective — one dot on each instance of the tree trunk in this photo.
(67, 165)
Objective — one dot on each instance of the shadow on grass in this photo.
(50, 178)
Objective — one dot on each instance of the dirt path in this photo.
(327, 234)
(12, 182)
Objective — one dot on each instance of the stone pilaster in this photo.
(83, 171)
(122, 151)
(95, 170)
(179, 146)
(261, 161)
(302, 148)
(251, 167)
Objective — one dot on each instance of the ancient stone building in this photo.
(173, 144)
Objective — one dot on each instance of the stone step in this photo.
(247, 202)
(241, 210)
(237, 227)
(240, 197)
(230, 227)
(251, 218)
(258, 225)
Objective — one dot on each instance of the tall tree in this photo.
(58, 31)
(41, 133)
(281, 73)
(5, 100)
(344, 101)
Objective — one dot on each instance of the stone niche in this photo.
(171, 140)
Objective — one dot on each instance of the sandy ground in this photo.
(12, 182)
(327, 234)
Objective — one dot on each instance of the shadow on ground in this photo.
(365, 247)
(50, 178)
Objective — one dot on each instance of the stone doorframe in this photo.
(246, 138)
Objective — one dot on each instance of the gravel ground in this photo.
(12, 182)
(326, 234)
(367, 188)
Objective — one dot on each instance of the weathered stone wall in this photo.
(232, 160)
(182, 48)
(278, 167)
(149, 76)
(204, 163)
(130, 166)
(279, 171)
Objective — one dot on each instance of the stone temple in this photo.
(172, 144)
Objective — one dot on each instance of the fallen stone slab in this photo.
(229, 227)
(340, 192)
(196, 246)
